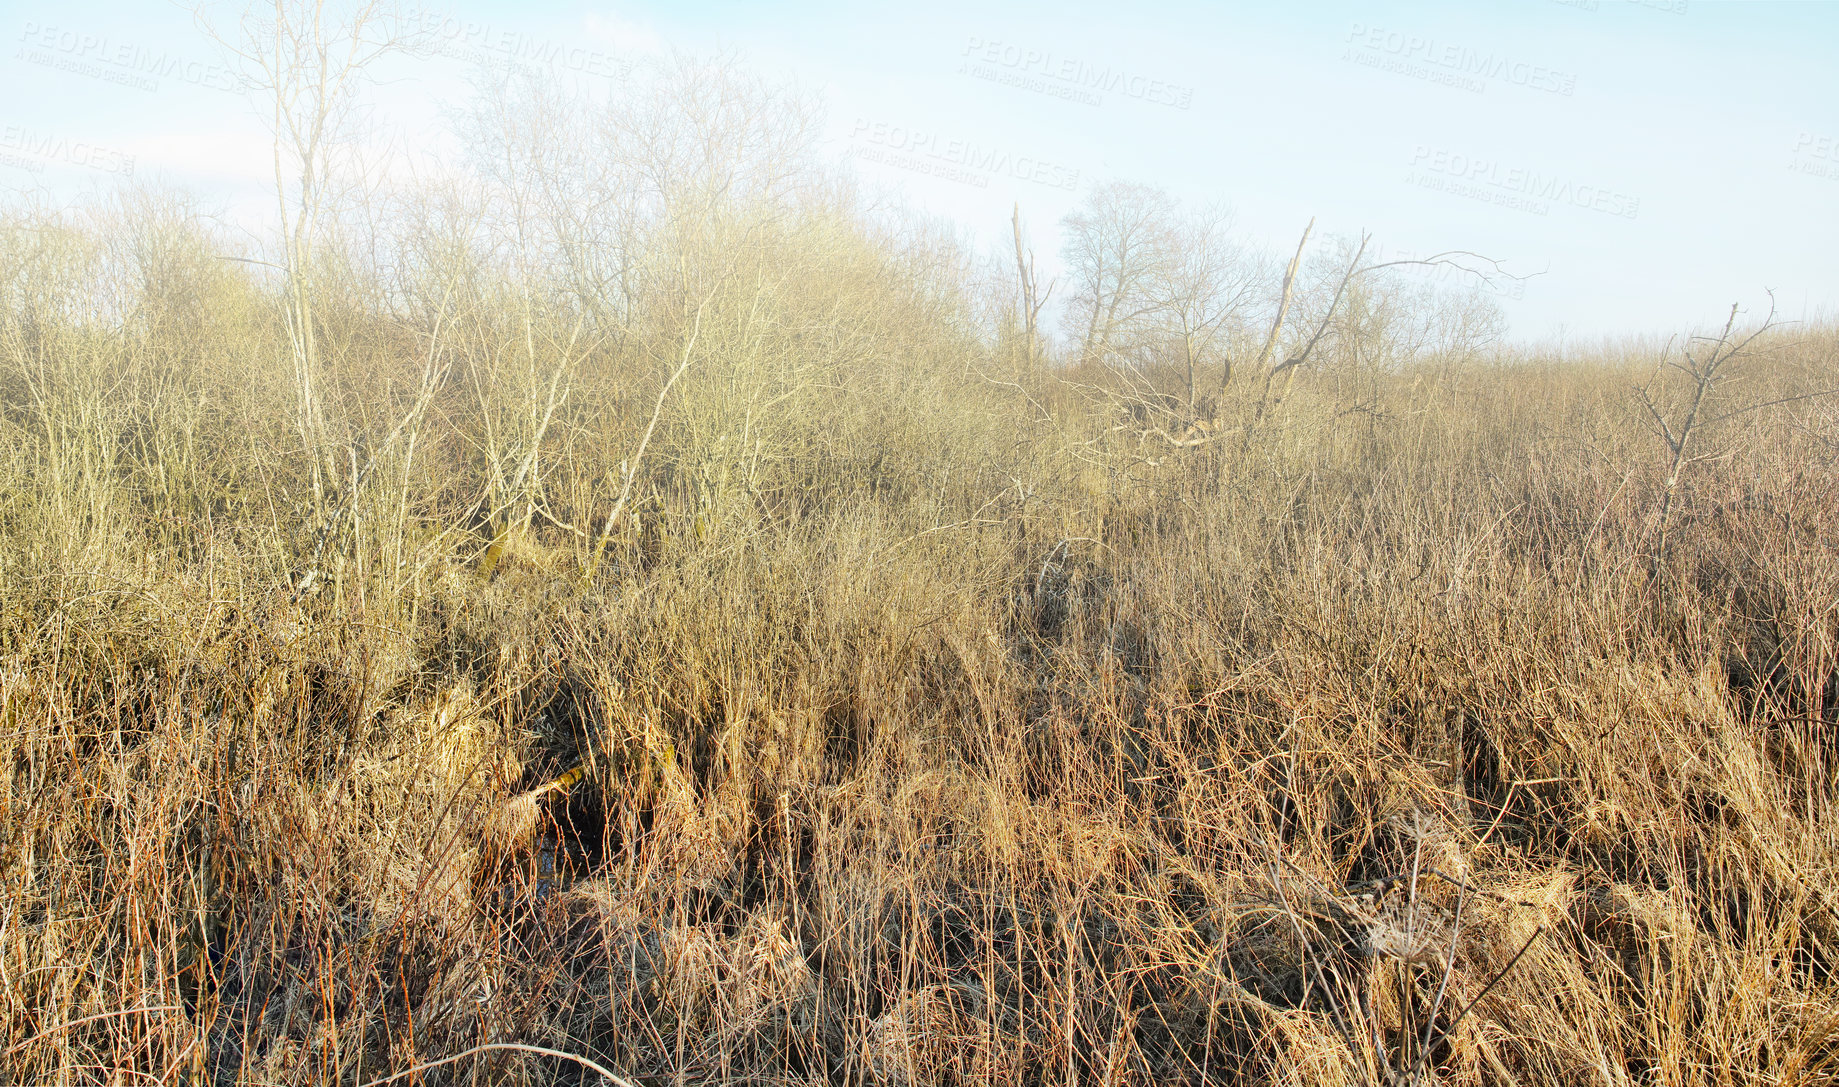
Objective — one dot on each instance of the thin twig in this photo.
(48, 1031)
(618, 1080)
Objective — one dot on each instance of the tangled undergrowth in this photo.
(799, 685)
(1195, 790)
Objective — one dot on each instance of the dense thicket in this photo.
(951, 706)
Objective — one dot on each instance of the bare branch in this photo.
(1322, 328)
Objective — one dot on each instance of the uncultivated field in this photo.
(947, 707)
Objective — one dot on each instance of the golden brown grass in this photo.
(935, 727)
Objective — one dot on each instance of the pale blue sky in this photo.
(1657, 160)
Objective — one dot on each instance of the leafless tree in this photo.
(1118, 246)
(1153, 285)
(1033, 298)
(1208, 287)
(1682, 417)
(305, 62)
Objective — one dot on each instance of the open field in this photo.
(948, 707)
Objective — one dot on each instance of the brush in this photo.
(513, 825)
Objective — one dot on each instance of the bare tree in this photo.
(1342, 280)
(1386, 321)
(1156, 285)
(305, 64)
(1682, 419)
(1290, 364)
(1118, 246)
(1207, 287)
(1033, 298)
(1266, 353)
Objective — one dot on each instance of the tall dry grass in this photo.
(936, 725)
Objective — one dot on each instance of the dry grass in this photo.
(934, 727)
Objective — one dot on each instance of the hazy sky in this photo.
(1656, 160)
